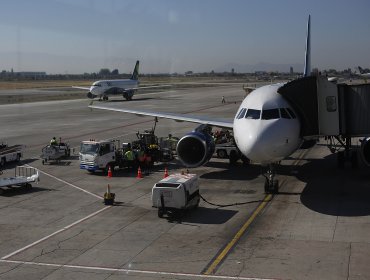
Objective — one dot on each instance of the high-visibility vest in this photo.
(129, 155)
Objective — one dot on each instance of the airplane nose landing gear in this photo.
(271, 185)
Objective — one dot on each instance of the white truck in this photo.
(10, 153)
(176, 192)
(99, 155)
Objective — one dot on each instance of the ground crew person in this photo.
(223, 100)
(53, 141)
(129, 156)
(141, 158)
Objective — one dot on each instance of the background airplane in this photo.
(266, 127)
(126, 87)
(363, 73)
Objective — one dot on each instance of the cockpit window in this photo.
(97, 85)
(241, 114)
(284, 114)
(270, 114)
(253, 114)
(291, 113)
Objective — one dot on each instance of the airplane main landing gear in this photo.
(271, 185)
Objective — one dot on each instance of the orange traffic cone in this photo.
(109, 172)
(165, 172)
(139, 174)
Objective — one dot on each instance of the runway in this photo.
(315, 228)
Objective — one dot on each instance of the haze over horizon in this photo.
(78, 36)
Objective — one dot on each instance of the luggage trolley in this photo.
(24, 176)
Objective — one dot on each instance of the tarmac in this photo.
(317, 227)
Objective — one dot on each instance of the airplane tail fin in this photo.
(135, 74)
(307, 61)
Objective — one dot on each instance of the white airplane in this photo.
(266, 128)
(126, 87)
(363, 73)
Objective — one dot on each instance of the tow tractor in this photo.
(23, 176)
(55, 152)
(160, 150)
(177, 192)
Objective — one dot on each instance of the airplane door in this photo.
(328, 107)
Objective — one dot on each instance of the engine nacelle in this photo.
(365, 150)
(91, 96)
(195, 148)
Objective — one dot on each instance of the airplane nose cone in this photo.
(267, 141)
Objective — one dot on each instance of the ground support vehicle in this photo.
(160, 150)
(23, 176)
(10, 153)
(55, 152)
(177, 192)
(102, 154)
(230, 151)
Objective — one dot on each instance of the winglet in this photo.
(307, 61)
(135, 74)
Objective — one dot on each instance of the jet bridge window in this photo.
(331, 103)
(270, 114)
(241, 113)
(253, 114)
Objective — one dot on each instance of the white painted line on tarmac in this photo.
(69, 184)
(134, 271)
(55, 233)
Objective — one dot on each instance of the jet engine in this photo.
(197, 147)
(91, 96)
(365, 150)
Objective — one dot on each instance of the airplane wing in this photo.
(84, 88)
(175, 117)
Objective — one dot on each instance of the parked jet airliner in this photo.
(126, 87)
(266, 128)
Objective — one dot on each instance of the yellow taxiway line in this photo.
(237, 236)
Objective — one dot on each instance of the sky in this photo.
(168, 36)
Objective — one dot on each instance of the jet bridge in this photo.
(338, 112)
(354, 109)
(328, 109)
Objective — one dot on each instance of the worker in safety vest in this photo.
(130, 157)
(53, 142)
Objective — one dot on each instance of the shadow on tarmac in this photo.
(20, 190)
(232, 172)
(335, 191)
(202, 215)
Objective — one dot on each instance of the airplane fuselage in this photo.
(113, 87)
(266, 128)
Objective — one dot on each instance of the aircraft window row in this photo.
(269, 114)
(253, 114)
